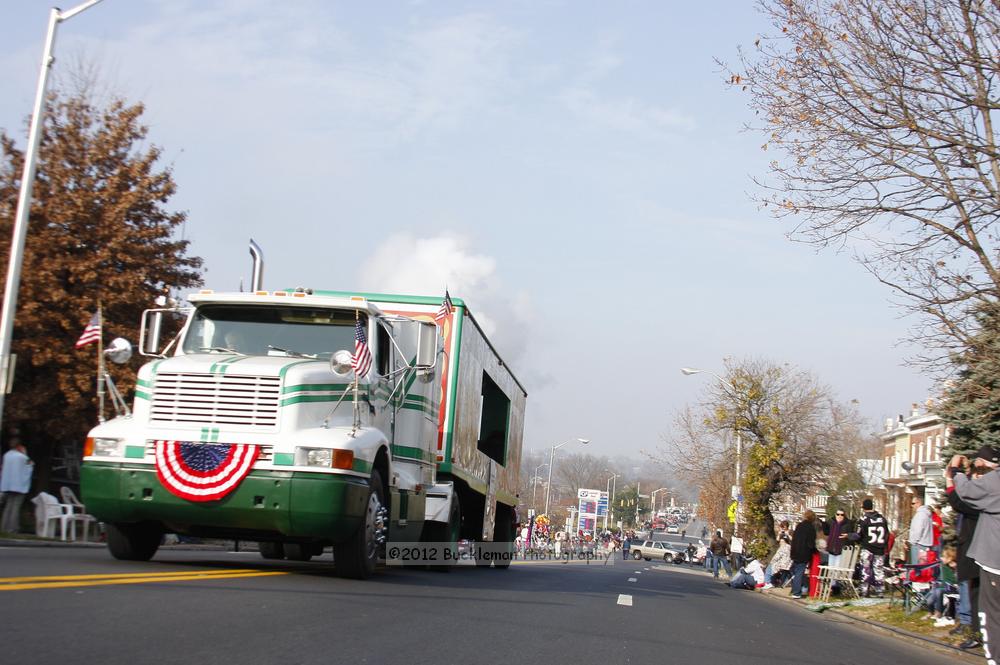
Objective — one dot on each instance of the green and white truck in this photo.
(252, 423)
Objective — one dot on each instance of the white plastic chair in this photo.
(47, 511)
(78, 513)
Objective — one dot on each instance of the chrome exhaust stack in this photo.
(257, 281)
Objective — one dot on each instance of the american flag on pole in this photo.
(91, 333)
(361, 361)
(447, 307)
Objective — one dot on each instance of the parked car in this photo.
(653, 549)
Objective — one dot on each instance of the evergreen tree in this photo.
(99, 231)
(971, 404)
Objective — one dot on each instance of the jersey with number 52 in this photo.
(874, 533)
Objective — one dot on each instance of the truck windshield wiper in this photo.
(290, 352)
(220, 349)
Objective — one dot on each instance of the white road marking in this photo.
(625, 599)
(638, 572)
(633, 579)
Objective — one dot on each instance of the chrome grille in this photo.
(215, 399)
(266, 452)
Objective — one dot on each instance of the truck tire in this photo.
(357, 557)
(503, 534)
(298, 552)
(271, 549)
(134, 542)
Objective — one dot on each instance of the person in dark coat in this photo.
(967, 570)
(803, 547)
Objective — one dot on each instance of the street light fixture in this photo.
(688, 371)
(552, 452)
(56, 16)
(652, 499)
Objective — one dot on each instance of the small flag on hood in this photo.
(362, 358)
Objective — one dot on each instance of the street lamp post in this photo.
(56, 16)
(652, 499)
(552, 452)
(610, 499)
(534, 484)
(688, 371)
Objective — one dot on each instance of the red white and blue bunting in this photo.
(203, 471)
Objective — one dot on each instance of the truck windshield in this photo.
(270, 330)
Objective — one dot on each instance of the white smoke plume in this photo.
(408, 265)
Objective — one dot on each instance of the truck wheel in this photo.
(503, 534)
(357, 557)
(271, 550)
(134, 542)
(298, 552)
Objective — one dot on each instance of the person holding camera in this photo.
(983, 494)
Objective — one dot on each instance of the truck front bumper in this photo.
(296, 505)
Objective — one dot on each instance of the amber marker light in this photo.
(88, 446)
(343, 459)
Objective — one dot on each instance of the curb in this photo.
(899, 633)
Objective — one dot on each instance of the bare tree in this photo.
(882, 113)
(581, 470)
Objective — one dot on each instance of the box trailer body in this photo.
(253, 428)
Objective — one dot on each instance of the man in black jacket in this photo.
(873, 534)
(803, 547)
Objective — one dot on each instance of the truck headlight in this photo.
(108, 447)
(314, 457)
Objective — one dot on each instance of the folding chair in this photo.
(915, 593)
(79, 513)
(842, 576)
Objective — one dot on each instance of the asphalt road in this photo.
(197, 607)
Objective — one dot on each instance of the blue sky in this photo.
(577, 171)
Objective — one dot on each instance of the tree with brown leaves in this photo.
(99, 232)
(796, 437)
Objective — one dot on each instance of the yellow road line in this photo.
(170, 573)
(97, 580)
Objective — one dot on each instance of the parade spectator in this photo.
(873, 535)
(626, 546)
(720, 554)
(834, 529)
(945, 584)
(802, 549)
(921, 529)
(750, 576)
(937, 525)
(983, 494)
(15, 483)
(781, 563)
(967, 571)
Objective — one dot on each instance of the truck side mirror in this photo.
(149, 332)
(427, 345)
